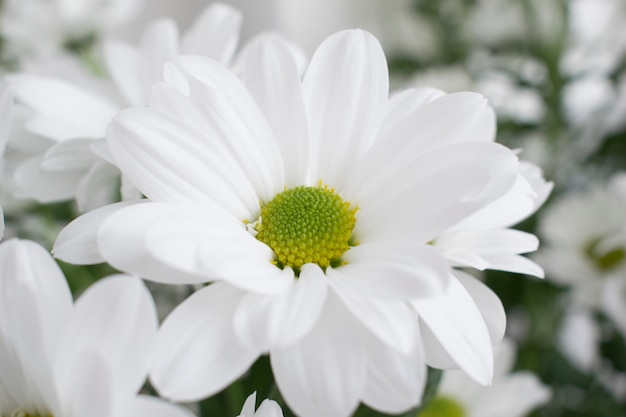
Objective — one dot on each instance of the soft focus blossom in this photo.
(512, 394)
(63, 359)
(221, 160)
(41, 28)
(584, 249)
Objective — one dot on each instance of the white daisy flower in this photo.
(62, 359)
(512, 394)
(585, 246)
(312, 206)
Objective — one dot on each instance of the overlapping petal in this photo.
(345, 91)
(265, 321)
(197, 351)
(323, 373)
(455, 333)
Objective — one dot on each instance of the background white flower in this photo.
(63, 359)
(512, 394)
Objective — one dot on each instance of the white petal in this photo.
(392, 322)
(69, 155)
(504, 399)
(323, 374)
(395, 381)
(345, 91)
(159, 42)
(63, 111)
(397, 271)
(403, 103)
(98, 187)
(188, 244)
(454, 328)
(433, 192)
(45, 186)
(488, 304)
(115, 318)
(122, 64)
(77, 241)
(528, 193)
(238, 122)
(269, 408)
(148, 406)
(170, 161)
(197, 351)
(449, 120)
(268, 321)
(214, 34)
(248, 406)
(36, 302)
(273, 80)
(87, 387)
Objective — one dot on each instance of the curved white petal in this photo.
(214, 34)
(237, 121)
(393, 322)
(116, 318)
(273, 80)
(159, 42)
(403, 103)
(269, 408)
(62, 110)
(268, 321)
(392, 270)
(197, 351)
(488, 304)
(86, 386)
(504, 399)
(77, 242)
(528, 193)
(453, 328)
(345, 90)
(490, 249)
(323, 374)
(148, 406)
(36, 302)
(69, 155)
(451, 119)
(433, 192)
(122, 63)
(188, 244)
(169, 160)
(99, 186)
(45, 186)
(395, 381)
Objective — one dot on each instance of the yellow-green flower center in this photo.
(604, 260)
(307, 225)
(443, 407)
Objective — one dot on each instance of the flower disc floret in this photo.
(307, 225)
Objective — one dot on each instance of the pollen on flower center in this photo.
(307, 225)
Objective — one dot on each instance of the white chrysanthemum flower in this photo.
(585, 246)
(67, 116)
(71, 360)
(312, 205)
(512, 394)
